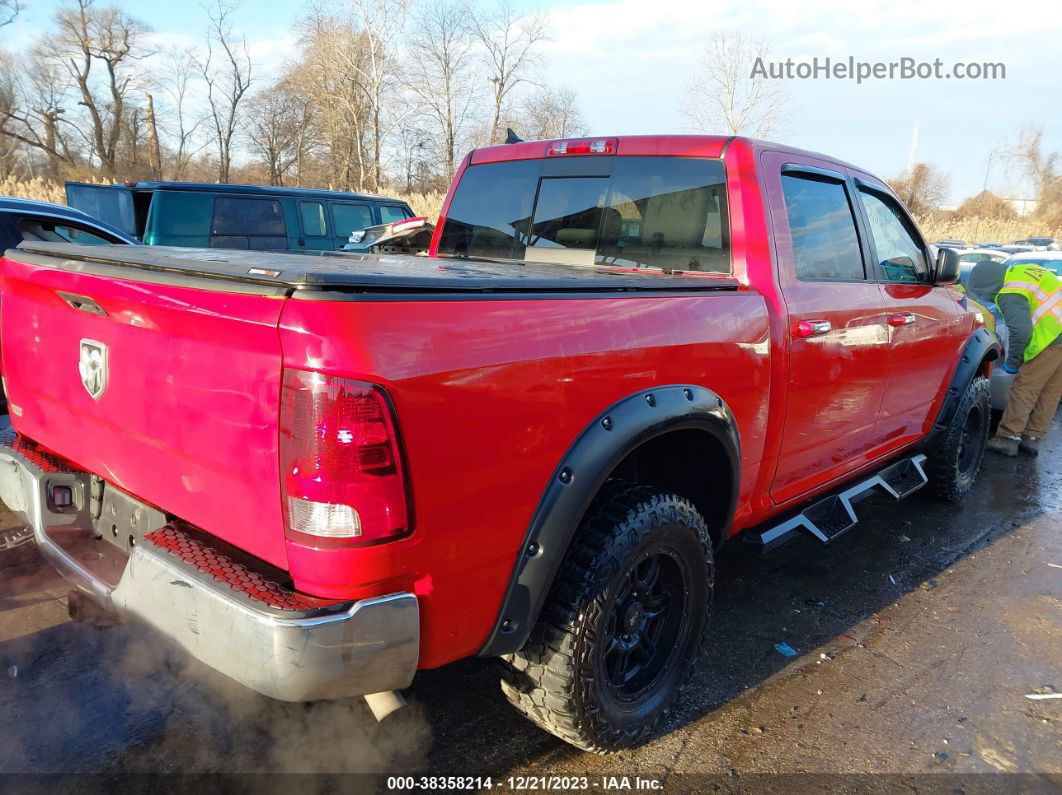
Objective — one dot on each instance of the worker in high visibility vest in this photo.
(1030, 298)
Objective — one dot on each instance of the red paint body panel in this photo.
(189, 422)
(488, 392)
(489, 395)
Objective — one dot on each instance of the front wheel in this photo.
(955, 459)
(623, 624)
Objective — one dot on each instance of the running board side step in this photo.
(833, 516)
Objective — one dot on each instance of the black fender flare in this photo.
(594, 455)
(982, 345)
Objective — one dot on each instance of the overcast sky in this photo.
(629, 61)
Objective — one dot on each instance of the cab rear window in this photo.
(639, 212)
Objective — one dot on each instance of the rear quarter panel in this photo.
(489, 394)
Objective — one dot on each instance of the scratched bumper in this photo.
(349, 649)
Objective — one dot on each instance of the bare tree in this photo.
(413, 139)
(86, 35)
(923, 188)
(986, 204)
(178, 76)
(441, 74)
(228, 72)
(277, 118)
(725, 98)
(551, 113)
(333, 58)
(32, 108)
(509, 41)
(9, 9)
(381, 22)
(1040, 167)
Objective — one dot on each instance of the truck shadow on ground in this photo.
(113, 700)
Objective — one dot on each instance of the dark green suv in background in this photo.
(206, 215)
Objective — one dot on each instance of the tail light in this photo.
(601, 146)
(341, 467)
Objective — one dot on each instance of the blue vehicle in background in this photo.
(207, 215)
(24, 219)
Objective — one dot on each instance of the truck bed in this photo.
(333, 271)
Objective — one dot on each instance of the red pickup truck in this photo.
(319, 474)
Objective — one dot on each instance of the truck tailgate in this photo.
(187, 418)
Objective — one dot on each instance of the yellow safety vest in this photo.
(1043, 289)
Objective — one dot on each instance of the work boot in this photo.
(1004, 445)
(1029, 445)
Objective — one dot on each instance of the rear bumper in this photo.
(340, 650)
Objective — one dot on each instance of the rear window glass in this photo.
(58, 232)
(490, 211)
(233, 216)
(389, 213)
(651, 212)
(350, 218)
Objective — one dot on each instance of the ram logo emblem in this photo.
(92, 365)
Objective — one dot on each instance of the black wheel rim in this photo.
(646, 626)
(972, 442)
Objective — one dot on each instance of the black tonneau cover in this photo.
(360, 272)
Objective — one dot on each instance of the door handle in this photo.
(82, 303)
(813, 328)
(898, 319)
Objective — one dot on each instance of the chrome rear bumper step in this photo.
(831, 517)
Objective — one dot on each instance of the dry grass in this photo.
(983, 230)
(935, 227)
(426, 204)
(36, 188)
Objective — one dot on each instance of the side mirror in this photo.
(947, 266)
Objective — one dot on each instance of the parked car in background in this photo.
(23, 219)
(1016, 248)
(951, 244)
(206, 215)
(1046, 259)
(1046, 243)
(968, 258)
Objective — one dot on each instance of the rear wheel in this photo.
(955, 459)
(623, 624)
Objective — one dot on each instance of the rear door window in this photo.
(248, 223)
(349, 218)
(651, 212)
(312, 215)
(896, 246)
(822, 228)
